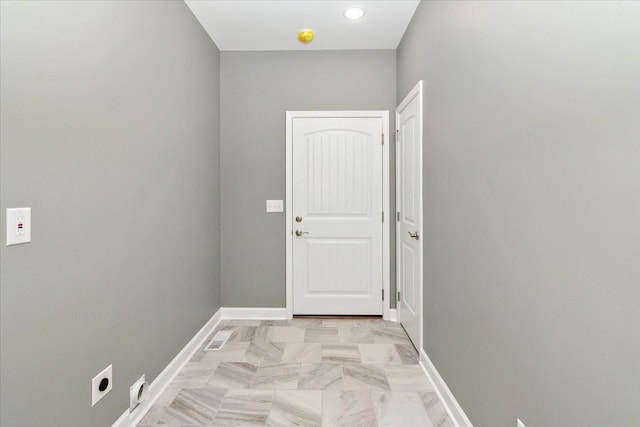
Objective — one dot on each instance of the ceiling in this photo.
(274, 24)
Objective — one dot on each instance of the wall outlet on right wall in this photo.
(519, 423)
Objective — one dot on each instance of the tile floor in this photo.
(303, 372)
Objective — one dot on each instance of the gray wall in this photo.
(257, 88)
(531, 206)
(110, 132)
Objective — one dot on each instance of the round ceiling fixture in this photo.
(305, 36)
(354, 13)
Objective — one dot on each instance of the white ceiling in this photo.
(274, 24)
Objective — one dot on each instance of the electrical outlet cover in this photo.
(18, 226)
(96, 394)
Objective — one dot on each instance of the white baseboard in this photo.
(447, 398)
(392, 315)
(254, 313)
(162, 381)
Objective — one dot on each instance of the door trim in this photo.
(415, 92)
(384, 115)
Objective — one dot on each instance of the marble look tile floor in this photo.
(303, 372)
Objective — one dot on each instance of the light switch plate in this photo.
(18, 226)
(275, 206)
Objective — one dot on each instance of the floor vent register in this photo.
(218, 341)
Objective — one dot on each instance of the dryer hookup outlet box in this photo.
(101, 384)
(137, 393)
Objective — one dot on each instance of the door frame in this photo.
(388, 217)
(415, 92)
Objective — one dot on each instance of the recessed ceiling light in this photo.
(354, 13)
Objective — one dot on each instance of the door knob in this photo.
(415, 235)
(300, 232)
(298, 219)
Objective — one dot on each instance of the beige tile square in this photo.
(355, 335)
(233, 375)
(296, 408)
(194, 375)
(302, 353)
(244, 408)
(348, 408)
(287, 334)
(322, 335)
(276, 377)
(364, 377)
(399, 409)
(380, 354)
(407, 378)
(320, 376)
(340, 353)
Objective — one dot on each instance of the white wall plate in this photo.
(18, 226)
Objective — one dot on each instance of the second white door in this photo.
(337, 215)
(409, 207)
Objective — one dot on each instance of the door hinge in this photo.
(383, 295)
(382, 216)
(398, 296)
(397, 135)
(382, 141)
(398, 216)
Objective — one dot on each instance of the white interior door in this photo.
(409, 207)
(337, 215)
